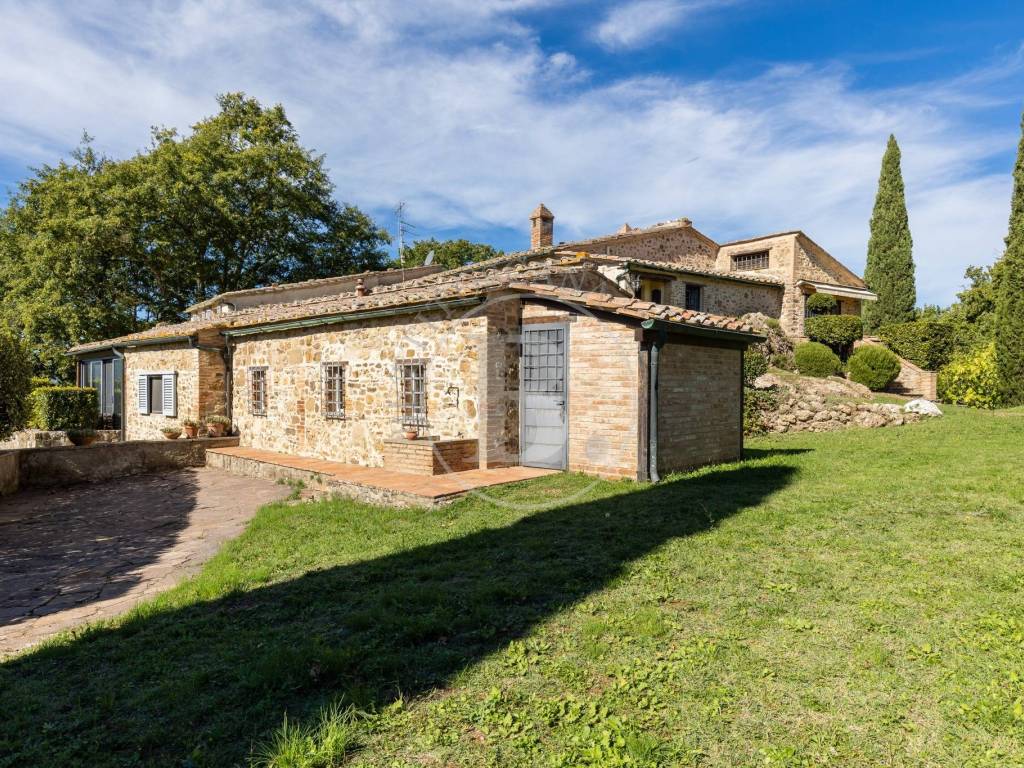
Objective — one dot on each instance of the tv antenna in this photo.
(403, 227)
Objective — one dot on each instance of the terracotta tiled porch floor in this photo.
(432, 487)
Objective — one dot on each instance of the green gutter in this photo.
(706, 332)
(132, 344)
(348, 317)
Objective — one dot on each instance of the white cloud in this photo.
(458, 110)
(638, 22)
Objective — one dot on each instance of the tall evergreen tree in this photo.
(890, 266)
(1009, 283)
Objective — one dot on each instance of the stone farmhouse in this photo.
(619, 356)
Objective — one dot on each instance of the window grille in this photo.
(412, 393)
(693, 297)
(334, 390)
(748, 261)
(258, 391)
(544, 360)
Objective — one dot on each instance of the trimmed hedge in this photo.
(65, 408)
(926, 343)
(972, 379)
(835, 331)
(814, 359)
(15, 383)
(821, 302)
(874, 367)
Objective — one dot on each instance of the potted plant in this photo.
(171, 433)
(82, 437)
(410, 433)
(191, 427)
(217, 425)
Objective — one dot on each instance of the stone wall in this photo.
(781, 263)
(9, 466)
(699, 406)
(200, 383)
(728, 297)
(674, 243)
(56, 467)
(295, 421)
(38, 438)
(912, 380)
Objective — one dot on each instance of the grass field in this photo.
(843, 599)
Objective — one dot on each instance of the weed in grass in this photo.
(324, 744)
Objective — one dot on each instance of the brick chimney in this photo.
(542, 228)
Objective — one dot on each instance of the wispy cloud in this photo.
(460, 111)
(638, 22)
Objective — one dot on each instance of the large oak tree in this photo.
(93, 247)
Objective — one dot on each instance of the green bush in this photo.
(814, 359)
(754, 364)
(873, 366)
(926, 343)
(821, 303)
(755, 403)
(835, 331)
(971, 379)
(15, 383)
(40, 381)
(65, 408)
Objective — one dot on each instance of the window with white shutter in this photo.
(143, 387)
(170, 394)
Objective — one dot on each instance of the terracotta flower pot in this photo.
(171, 434)
(410, 434)
(191, 430)
(215, 429)
(82, 439)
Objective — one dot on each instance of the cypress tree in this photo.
(890, 265)
(1009, 284)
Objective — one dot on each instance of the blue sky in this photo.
(747, 116)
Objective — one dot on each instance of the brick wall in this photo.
(295, 422)
(430, 457)
(699, 406)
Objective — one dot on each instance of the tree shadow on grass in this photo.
(203, 683)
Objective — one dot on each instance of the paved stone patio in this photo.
(86, 552)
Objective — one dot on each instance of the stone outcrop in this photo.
(823, 405)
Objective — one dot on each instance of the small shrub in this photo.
(40, 381)
(755, 403)
(971, 379)
(835, 331)
(814, 359)
(820, 303)
(15, 383)
(754, 364)
(217, 418)
(874, 367)
(65, 408)
(926, 343)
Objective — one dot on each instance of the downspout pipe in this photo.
(652, 404)
(124, 391)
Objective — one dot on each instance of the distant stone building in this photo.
(619, 356)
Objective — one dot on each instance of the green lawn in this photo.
(843, 599)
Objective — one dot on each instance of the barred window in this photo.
(412, 393)
(258, 391)
(746, 261)
(693, 297)
(334, 390)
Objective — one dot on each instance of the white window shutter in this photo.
(143, 393)
(170, 384)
